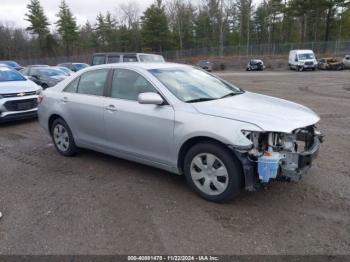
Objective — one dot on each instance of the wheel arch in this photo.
(196, 140)
(52, 118)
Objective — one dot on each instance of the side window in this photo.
(34, 72)
(98, 60)
(25, 71)
(93, 82)
(113, 59)
(129, 58)
(128, 84)
(73, 86)
(347, 58)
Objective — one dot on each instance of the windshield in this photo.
(306, 56)
(80, 66)
(51, 72)
(8, 74)
(194, 85)
(151, 58)
(10, 63)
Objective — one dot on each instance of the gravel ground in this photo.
(97, 204)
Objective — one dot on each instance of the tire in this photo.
(62, 138)
(221, 182)
(300, 68)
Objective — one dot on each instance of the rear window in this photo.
(151, 58)
(99, 60)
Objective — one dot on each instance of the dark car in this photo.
(75, 67)
(12, 64)
(255, 65)
(206, 65)
(44, 76)
(110, 58)
(330, 63)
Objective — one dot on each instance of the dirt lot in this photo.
(96, 204)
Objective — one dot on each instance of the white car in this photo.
(18, 95)
(346, 61)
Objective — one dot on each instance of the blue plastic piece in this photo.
(268, 167)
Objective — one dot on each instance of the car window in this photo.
(93, 82)
(114, 59)
(129, 58)
(73, 86)
(25, 71)
(99, 60)
(34, 72)
(128, 84)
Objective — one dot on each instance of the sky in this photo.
(13, 12)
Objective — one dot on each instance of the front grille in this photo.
(21, 105)
(19, 94)
(309, 63)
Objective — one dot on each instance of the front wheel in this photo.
(62, 138)
(213, 172)
(300, 68)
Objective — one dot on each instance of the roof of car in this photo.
(121, 53)
(145, 66)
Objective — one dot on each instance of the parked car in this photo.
(206, 65)
(301, 60)
(255, 65)
(346, 61)
(110, 58)
(12, 64)
(44, 76)
(330, 63)
(65, 70)
(184, 120)
(75, 67)
(18, 95)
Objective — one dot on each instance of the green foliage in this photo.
(155, 31)
(67, 26)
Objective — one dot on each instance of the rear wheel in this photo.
(62, 138)
(213, 172)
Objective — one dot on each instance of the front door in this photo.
(144, 131)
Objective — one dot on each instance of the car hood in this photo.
(11, 87)
(268, 113)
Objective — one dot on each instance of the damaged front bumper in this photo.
(279, 156)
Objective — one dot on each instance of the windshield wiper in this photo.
(231, 94)
(202, 99)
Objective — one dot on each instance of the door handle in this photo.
(64, 100)
(111, 108)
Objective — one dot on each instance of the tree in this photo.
(155, 30)
(181, 20)
(39, 25)
(67, 27)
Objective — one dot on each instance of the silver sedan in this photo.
(184, 120)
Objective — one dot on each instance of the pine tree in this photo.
(155, 31)
(39, 24)
(67, 27)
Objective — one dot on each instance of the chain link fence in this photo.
(335, 48)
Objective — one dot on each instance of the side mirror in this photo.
(150, 98)
(296, 60)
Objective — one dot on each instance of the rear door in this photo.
(144, 131)
(83, 104)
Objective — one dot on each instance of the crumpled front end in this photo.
(279, 155)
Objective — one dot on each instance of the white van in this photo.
(302, 59)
